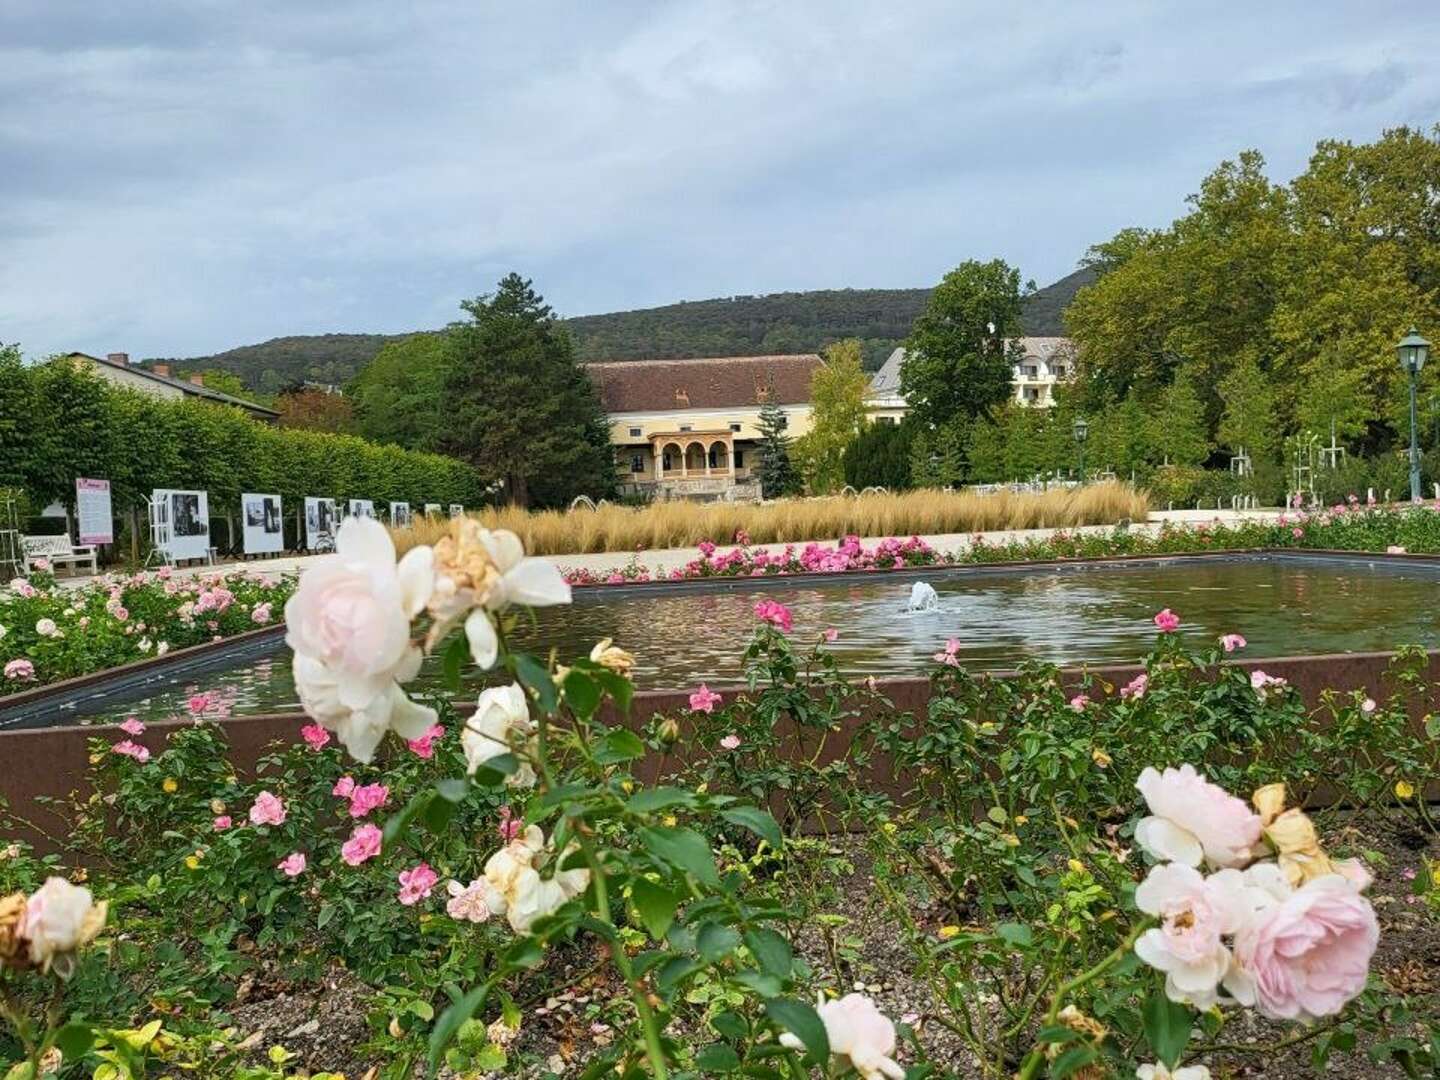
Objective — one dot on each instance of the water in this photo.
(1097, 614)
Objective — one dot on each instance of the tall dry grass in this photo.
(685, 524)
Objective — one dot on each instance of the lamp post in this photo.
(1081, 430)
(1414, 350)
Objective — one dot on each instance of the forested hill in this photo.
(733, 326)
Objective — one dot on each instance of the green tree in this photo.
(399, 396)
(1333, 397)
(958, 362)
(837, 398)
(18, 413)
(1248, 421)
(1178, 430)
(519, 405)
(778, 476)
(72, 420)
(880, 457)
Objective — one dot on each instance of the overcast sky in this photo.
(182, 176)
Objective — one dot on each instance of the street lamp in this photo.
(1081, 430)
(1414, 350)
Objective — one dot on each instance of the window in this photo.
(734, 427)
(885, 420)
(665, 461)
(784, 420)
(739, 458)
(684, 427)
(637, 463)
(635, 433)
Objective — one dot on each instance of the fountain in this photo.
(923, 598)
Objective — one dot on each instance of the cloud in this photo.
(181, 177)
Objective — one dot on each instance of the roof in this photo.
(1043, 348)
(715, 382)
(886, 381)
(184, 385)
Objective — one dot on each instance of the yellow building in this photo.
(691, 428)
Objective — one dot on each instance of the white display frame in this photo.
(457, 510)
(360, 508)
(184, 518)
(320, 523)
(400, 514)
(94, 516)
(265, 536)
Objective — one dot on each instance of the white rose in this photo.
(353, 609)
(59, 919)
(358, 729)
(162, 648)
(1160, 1072)
(45, 627)
(514, 888)
(500, 725)
(860, 1033)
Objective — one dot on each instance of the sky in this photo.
(178, 177)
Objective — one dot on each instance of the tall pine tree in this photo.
(520, 406)
(777, 473)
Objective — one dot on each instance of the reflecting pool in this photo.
(1099, 613)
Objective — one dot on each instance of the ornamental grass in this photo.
(928, 512)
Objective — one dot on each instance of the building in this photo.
(691, 428)
(1046, 362)
(116, 369)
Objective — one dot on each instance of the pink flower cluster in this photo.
(424, 746)
(19, 670)
(704, 700)
(216, 599)
(363, 797)
(950, 655)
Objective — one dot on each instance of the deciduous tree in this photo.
(837, 398)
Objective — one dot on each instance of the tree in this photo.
(1178, 430)
(399, 396)
(519, 405)
(1333, 397)
(314, 409)
(778, 477)
(958, 362)
(227, 382)
(837, 397)
(880, 457)
(18, 411)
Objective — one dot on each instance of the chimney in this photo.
(198, 379)
(118, 357)
(162, 370)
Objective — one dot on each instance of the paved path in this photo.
(662, 561)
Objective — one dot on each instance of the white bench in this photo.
(56, 550)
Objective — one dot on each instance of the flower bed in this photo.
(1352, 526)
(1085, 883)
(48, 633)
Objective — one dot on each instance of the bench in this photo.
(56, 550)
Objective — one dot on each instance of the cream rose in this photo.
(500, 725)
(513, 887)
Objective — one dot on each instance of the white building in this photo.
(1045, 362)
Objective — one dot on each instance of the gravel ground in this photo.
(564, 1027)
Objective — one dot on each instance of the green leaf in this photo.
(453, 790)
(717, 1057)
(398, 823)
(75, 1040)
(617, 686)
(619, 745)
(327, 912)
(1167, 1027)
(771, 950)
(731, 1025)
(1017, 934)
(1071, 1061)
(437, 815)
(684, 849)
(494, 771)
(804, 1023)
(715, 941)
(767, 986)
(660, 798)
(656, 905)
(581, 693)
(456, 653)
(450, 1021)
(674, 970)
(423, 1009)
(534, 675)
(757, 821)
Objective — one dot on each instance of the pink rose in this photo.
(467, 902)
(1263, 683)
(1079, 701)
(198, 703)
(132, 726)
(510, 825)
(293, 865)
(1136, 687)
(1231, 642)
(950, 654)
(1308, 955)
(1166, 621)
(416, 883)
(267, 810)
(1192, 819)
(704, 700)
(315, 736)
(19, 670)
(344, 787)
(730, 742)
(364, 844)
(260, 615)
(832, 635)
(424, 746)
(366, 798)
(776, 614)
(221, 823)
(130, 749)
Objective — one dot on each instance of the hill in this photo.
(730, 326)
